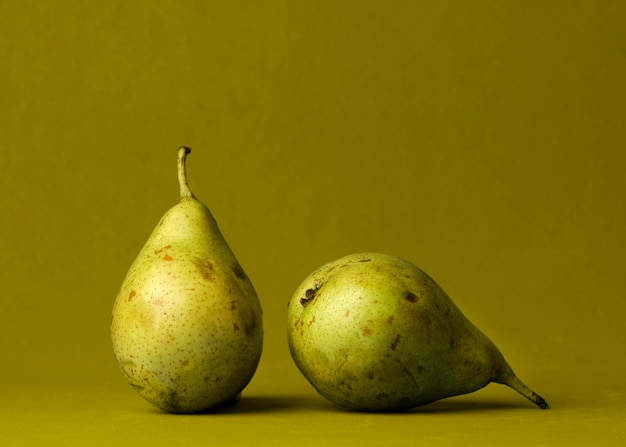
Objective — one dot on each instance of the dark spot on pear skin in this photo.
(171, 402)
(156, 252)
(366, 331)
(239, 273)
(420, 369)
(309, 295)
(205, 267)
(250, 327)
(452, 344)
(132, 295)
(137, 387)
(364, 260)
(410, 297)
(233, 305)
(167, 257)
(235, 326)
(390, 319)
(395, 342)
(343, 383)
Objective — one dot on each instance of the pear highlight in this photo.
(373, 332)
(186, 326)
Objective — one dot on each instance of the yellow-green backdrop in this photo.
(482, 140)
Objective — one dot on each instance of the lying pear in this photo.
(373, 332)
(186, 325)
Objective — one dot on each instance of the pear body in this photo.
(186, 325)
(374, 332)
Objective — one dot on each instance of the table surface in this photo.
(107, 412)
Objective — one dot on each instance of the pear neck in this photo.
(185, 192)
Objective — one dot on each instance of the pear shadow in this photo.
(262, 405)
(294, 404)
(272, 404)
(450, 406)
(464, 406)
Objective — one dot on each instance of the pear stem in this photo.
(185, 192)
(508, 378)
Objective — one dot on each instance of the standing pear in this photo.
(186, 325)
(374, 332)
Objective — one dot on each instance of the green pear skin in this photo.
(373, 332)
(186, 326)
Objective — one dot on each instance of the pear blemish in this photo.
(387, 319)
(238, 271)
(410, 297)
(205, 268)
(395, 342)
(175, 324)
(310, 294)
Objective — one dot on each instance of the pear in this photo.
(373, 332)
(186, 326)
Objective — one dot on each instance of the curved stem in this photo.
(185, 192)
(507, 377)
(529, 394)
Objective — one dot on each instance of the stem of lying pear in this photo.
(508, 377)
(185, 192)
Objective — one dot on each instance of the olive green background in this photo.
(481, 140)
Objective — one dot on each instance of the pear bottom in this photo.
(184, 396)
(387, 385)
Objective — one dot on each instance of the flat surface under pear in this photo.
(103, 413)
